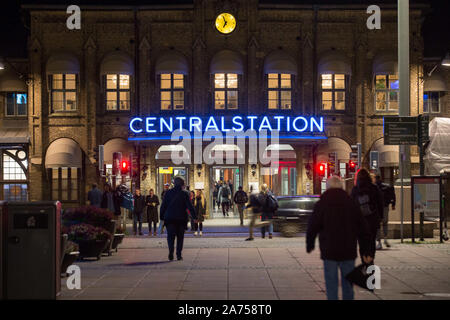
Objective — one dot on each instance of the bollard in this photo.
(421, 226)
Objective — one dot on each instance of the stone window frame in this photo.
(226, 90)
(279, 89)
(333, 90)
(15, 115)
(63, 90)
(172, 90)
(439, 96)
(117, 90)
(387, 90)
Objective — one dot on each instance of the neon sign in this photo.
(160, 125)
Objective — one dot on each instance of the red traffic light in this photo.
(352, 164)
(124, 167)
(321, 169)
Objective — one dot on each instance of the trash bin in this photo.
(31, 254)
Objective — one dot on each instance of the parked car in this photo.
(293, 213)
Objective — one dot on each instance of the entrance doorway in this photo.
(233, 175)
(281, 180)
(167, 174)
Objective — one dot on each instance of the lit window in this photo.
(333, 88)
(16, 104)
(386, 92)
(431, 102)
(279, 93)
(13, 175)
(63, 92)
(65, 184)
(226, 94)
(172, 91)
(117, 92)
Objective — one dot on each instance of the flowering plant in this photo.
(88, 214)
(84, 231)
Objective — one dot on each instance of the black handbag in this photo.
(359, 276)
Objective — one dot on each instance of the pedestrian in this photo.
(161, 221)
(269, 205)
(240, 198)
(255, 212)
(389, 198)
(200, 209)
(173, 211)
(370, 201)
(192, 199)
(152, 203)
(110, 201)
(230, 185)
(95, 196)
(338, 221)
(138, 210)
(215, 193)
(224, 198)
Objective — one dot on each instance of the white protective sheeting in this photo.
(437, 154)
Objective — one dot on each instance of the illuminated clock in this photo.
(225, 23)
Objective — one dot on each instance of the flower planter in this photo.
(118, 237)
(69, 259)
(92, 248)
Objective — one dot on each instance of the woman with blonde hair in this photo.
(200, 208)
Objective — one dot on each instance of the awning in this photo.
(279, 61)
(14, 135)
(171, 62)
(388, 155)
(10, 81)
(168, 151)
(63, 63)
(227, 61)
(436, 82)
(385, 63)
(334, 62)
(285, 151)
(117, 145)
(117, 62)
(63, 152)
(338, 145)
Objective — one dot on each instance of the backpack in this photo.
(388, 194)
(364, 205)
(225, 192)
(271, 204)
(241, 197)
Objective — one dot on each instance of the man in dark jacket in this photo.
(388, 198)
(138, 210)
(110, 200)
(174, 211)
(240, 198)
(95, 196)
(340, 225)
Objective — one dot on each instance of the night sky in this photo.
(14, 32)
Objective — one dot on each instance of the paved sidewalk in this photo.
(230, 268)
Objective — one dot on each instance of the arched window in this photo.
(13, 175)
(385, 70)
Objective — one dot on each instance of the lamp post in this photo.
(404, 95)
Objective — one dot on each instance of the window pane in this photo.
(272, 80)
(285, 81)
(435, 102)
(232, 80)
(339, 102)
(232, 99)
(393, 100)
(273, 99)
(57, 101)
(70, 81)
(327, 100)
(10, 99)
(219, 100)
(178, 76)
(219, 80)
(178, 84)
(74, 184)
(111, 100)
(111, 81)
(165, 83)
(339, 81)
(21, 100)
(12, 169)
(273, 104)
(380, 82)
(178, 100)
(285, 99)
(326, 81)
(393, 82)
(124, 100)
(71, 101)
(57, 81)
(165, 100)
(124, 81)
(426, 102)
(165, 76)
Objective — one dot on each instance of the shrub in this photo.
(84, 231)
(97, 217)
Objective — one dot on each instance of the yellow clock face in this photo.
(225, 23)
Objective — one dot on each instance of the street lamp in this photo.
(2, 65)
(446, 61)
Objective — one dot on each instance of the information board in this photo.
(400, 130)
(426, 196)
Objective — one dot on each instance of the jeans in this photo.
(137, 217)
(225, 208)
(175, 230)
(384, 223)
(331, 278)
(161, 227)
(241, 207)
(270, 227)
